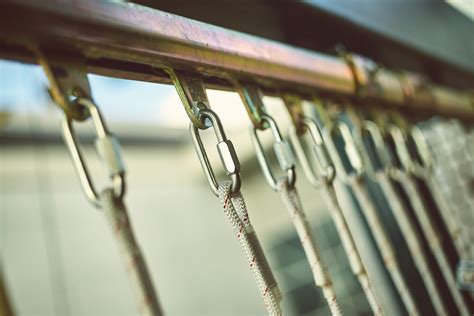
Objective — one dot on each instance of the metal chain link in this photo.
(108, 149)
(236, 211)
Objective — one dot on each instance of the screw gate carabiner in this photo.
(282, 152)
(108, 149)
(401, 147)
(422, 150)
(225, 149)
(377, 159)
(352, 153)
(324, 171)
(412, 150)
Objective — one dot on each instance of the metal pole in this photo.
(130, 41)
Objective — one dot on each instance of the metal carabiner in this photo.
(225, 149)
(350, 148)
(422, 149)
(324, 171)
(381, 157)
(108, 149)
(401, 147)
(412, 150)
(282, 152)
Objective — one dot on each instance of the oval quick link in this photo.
(225, 149)
(353, 176)
(356, 168)
(324, 181)
(403, 218)
(285, 186)
(422, 150)
(408, 179)
(323, 172)
(380, 158)
(229, 191)
(282, 152)
(108, 149)
(111, 201)
(401, 148)
(419, 163)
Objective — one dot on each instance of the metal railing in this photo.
(135, 42)
(71, 39)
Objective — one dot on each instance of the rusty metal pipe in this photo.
(131, 41)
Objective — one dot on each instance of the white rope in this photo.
(432, 236)
(413, 240)
(236, 211)
(308, 240)
(135, 264)
(383, 243)
(350, 248)
(449, 215)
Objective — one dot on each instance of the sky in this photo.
(23, 90)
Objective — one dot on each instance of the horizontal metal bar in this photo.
(131, 41)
